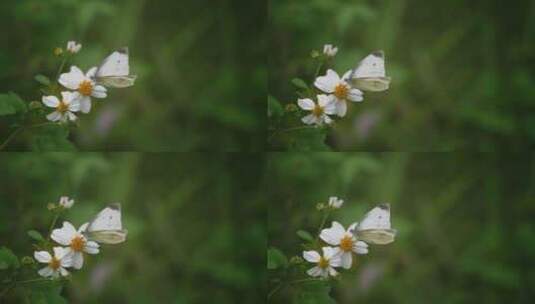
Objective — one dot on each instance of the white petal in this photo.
(314, 271)
(99, 92)
(332, 272)
(91, 73)
(324, 100)
(60, 252)
(327, 119)
(352, 227)
(72, 79)
(54, 116)
(328, 82)
(333, 235)
(64, 235)
(346, 75)
(309, 119)
(74, 105)
(91, 247)
(77, 260)
(42, 256)
(329, 252)
(63, 271)
(50, 101)
(306, 104)
(355, 95)
(340, 107)
(85, 104)
(45, 272)
(324, 273)
(360, 247)
(311, 256)
(83, 228)
(346, 259)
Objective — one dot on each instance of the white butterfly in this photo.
(106, 227)
(375, 227)
(114, 72)
(370, 75)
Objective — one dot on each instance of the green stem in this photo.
(303, 281)
(52, 225)
(61, 67)
(325, 216)
(19, 130)
(274, 291)
(288, 130)
(10, 137)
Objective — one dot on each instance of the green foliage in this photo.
(11, 103)
(276, 259)
(192, 93)
(36, 235)
(8, 259)
(464, 222)
(305, 235)
(313, 293)
(51, 137)
(455, 85)
(193, 220)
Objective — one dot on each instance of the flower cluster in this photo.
(335, 92)
(72, 242)
(340, 246)
(78, 90)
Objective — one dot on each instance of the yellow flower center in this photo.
(77, 243)
(62, 107)
(346, 243)
(54, 263)
(323, 263)
(317, 111)
(340, 91)
(85, 88)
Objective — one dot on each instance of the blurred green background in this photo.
(462, 71)
(196, 223)
(200, 64)
(465, 222)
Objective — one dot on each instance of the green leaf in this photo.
(42, 79)
(300, 83)
(314, 292)
(309, 139)
(11, 103)
(8, 259)
(305, 235)
(36, 235)
(275, 109)
(276, 259)
(52, 138)
(47, 293)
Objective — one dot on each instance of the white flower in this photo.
(56, 264)
(73, 47)
(320, 111)
(335, 203)
(325, 264)
(65, 107)
(77, 242)
(329, 50)
(346, 242)
(84, 85)
(339, 88)
(65, 202)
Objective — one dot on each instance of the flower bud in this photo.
(58, 51)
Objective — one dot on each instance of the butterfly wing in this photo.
(370, 74)
(375, 228)
(107, 226)
(114, 71)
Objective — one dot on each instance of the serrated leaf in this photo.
(276, 259)
(11, 103)
(305, 235)
(36, 235)
(309, 139)
(300, 83)
(51, 138)
(8, 259)
(314, 293)
(42, 79)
